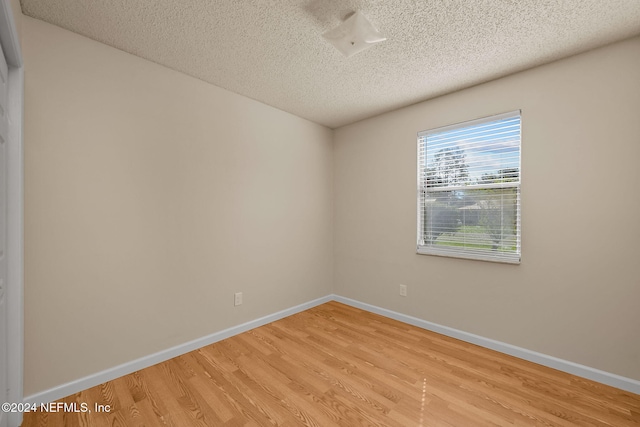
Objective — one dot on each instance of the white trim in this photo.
(161, 356)
(9, 35)
(81, 384)
(452, 253)
(15, 236)
(597, 375)
(15, 202)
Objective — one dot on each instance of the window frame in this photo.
(421, 194)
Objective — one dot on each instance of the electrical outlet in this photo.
(237, 300)
(403, 290)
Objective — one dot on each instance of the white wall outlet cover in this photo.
(403, 290)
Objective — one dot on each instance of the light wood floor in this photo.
(335, 365)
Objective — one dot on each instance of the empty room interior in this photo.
(280, 213)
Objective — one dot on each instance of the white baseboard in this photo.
(153, 359)
(597, 375)
(78, 385)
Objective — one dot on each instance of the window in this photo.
(469, 189)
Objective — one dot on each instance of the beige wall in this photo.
(151, 197)
(575, 295)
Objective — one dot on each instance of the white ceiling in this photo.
(273, 51)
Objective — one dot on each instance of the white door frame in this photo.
(15, 203)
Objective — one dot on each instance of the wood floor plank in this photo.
(336, 365)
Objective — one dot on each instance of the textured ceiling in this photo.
(273, 50)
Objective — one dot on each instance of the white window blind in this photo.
(469, 189)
